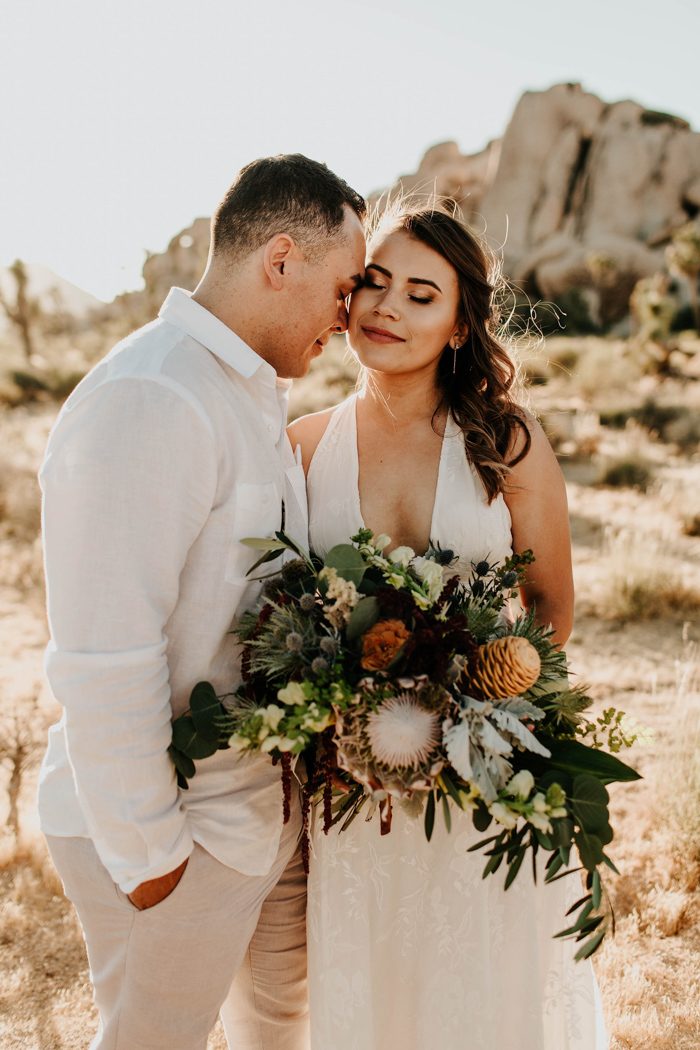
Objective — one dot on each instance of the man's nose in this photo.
(341, 324)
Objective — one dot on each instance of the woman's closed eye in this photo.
(369, 283)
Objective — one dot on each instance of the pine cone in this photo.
(505, 667)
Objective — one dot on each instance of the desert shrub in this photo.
(684, 430)
(575, 314)
(627, 472)
(20, 508)
(604, 367)
(676, 424)
(642, 582)
(656, 117)
(683, 319)
(691, 524)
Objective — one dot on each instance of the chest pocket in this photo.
(256, 512)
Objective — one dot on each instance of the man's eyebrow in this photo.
(411, 280)
(356, 281)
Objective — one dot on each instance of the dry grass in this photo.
(641, 580)
(637, 564)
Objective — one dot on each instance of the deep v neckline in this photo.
(438, 480)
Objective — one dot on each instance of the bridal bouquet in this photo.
(401, 683)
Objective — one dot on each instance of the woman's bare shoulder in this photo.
(528, 437)
(307, 431)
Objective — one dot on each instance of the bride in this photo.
(409, 949)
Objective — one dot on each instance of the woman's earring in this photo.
(455, 348)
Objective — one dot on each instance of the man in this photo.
(168, 453)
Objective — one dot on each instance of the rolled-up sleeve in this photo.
(128, 483)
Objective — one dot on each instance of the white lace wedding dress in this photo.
(409, 949)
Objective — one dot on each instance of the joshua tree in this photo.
(19, 740)
(652, 307)
(683, 257)
(25, 310)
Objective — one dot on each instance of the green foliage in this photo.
(608, 730)
(564, 710)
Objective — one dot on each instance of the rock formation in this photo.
(578, 193)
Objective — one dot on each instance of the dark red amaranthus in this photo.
(286, 785)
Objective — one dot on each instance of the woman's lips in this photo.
(380, 335)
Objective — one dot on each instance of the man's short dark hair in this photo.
(284, 194)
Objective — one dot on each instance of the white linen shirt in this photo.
(168, 453)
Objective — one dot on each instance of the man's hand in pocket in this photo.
(153, 891)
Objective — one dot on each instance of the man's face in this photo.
(315, 302)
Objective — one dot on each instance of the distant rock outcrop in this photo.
(578, 193)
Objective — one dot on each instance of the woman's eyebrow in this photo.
(411, 280)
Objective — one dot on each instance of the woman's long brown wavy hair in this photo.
(478, 394)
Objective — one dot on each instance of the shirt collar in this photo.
(181, 310)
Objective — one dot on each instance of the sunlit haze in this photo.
(123, 120)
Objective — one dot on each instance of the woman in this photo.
(409, 949)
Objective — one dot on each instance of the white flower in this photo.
(402, 733)
(238, 742)
(342, 596)
(431, 574)
(539, 821)
(539, 803)
(272, 715)
(395, 581)
(292, 693)
(381, 541)
(317, 721)
(402, 556)
(559, 811)
(282, 743)
(521, 784)
(504, 816)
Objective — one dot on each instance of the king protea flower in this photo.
(402, 733)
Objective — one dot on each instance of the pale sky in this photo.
(123, 120)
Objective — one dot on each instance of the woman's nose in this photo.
(387, 306)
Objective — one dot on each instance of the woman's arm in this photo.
(536, 498)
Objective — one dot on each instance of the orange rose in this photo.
(382, 643)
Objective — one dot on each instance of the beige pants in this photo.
(222, 942)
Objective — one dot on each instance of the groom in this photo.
(168, 453)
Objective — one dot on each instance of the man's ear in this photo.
(276, 253)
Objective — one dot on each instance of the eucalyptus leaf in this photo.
(347, 562)
(481, 818)
(205, 708)
(589, 800)
(590, 848)
(562, 831)
(183, 764)
(188, 739)
(597, 890)
(364, 615)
